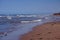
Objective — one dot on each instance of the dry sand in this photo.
(46, 31)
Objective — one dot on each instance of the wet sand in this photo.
(46, 31)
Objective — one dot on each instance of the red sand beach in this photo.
(46, 31)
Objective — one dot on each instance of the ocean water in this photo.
(7, 23)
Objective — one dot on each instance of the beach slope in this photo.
(46, 31)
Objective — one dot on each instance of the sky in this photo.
(29, 6)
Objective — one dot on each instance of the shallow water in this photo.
(22, 29)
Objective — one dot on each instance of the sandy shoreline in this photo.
(46, 31)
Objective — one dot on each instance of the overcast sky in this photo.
(29, 6)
